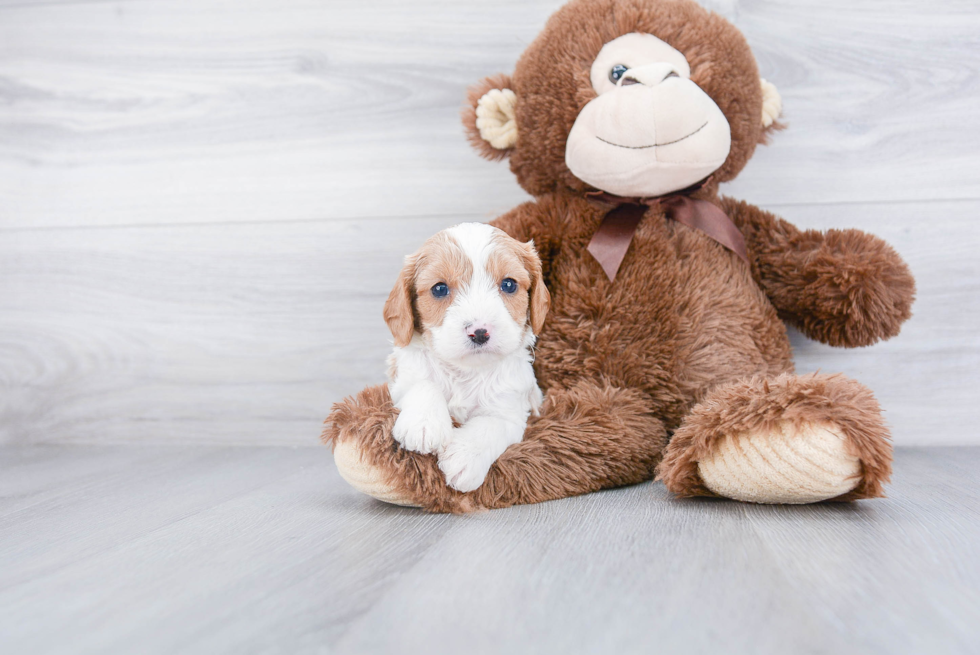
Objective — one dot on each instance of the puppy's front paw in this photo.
(422, 429)
(464, 466)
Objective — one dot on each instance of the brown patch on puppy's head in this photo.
(399, 312)
(411, 306)
(540, 299)
(520, 262)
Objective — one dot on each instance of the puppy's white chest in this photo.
(462, 399)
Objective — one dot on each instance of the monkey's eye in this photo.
(508, 285)
(617, 72)
(440, 290)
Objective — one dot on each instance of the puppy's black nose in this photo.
(479, 337)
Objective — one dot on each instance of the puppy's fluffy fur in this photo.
(464, 314)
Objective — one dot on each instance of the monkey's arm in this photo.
(841, 287)
(538, 220)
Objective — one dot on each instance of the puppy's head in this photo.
(473, 293)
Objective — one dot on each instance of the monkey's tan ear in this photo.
(772, 104)
(489, 118)
(399, 311)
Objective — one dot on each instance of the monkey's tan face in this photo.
(651, 130)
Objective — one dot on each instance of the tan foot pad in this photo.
(790, 464)
(364, 477)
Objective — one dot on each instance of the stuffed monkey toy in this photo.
(664, 353)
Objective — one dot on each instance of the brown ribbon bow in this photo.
(611, 241)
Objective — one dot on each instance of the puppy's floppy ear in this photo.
(489, 119)
(399, 308)
(540, 299)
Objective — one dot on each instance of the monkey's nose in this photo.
(649, 75)
(479, 336)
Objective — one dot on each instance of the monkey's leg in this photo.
(788, 439)
(588, 437)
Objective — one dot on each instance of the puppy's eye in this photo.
(440, 290)
(617, 72)
(508, 285)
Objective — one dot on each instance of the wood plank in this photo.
(193, 524)
(622, 571)
(32, 476)
(155, 113)
(70, 521)
(230, 550)
(227, 334)
(634, 571)
(246, 333)
(873, 549)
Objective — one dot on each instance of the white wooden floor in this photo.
(203, 205)
(170, 549)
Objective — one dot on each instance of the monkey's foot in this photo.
(365, 477)
(787, 463)
(790, 439)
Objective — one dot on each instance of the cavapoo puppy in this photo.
(464, 314)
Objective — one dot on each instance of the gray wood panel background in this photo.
(203, 204)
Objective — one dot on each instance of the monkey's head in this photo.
(631, 97)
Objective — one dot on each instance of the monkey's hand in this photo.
(841, 287)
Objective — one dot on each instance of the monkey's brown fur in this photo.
(688, 340)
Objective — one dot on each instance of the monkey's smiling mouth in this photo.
(654, 145)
